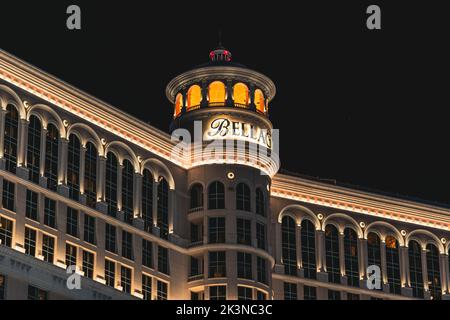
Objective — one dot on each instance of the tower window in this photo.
(240, 95)
(194, 97)
(216, 93)
(260, 101)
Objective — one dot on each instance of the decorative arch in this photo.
(341, 226)
(241, 95)
(178, 105)
(57, 121)
(92, 135)
(194, 97)
(415, 235)
(260, 101)
(216, 93)
(158, 168)
(119, 146)
(290, 211)
(16, 101)
(394, 231)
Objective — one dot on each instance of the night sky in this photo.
(367, 108)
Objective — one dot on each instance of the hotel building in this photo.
(84, 184)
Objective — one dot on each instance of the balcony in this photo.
(196, 277)
(195, 243)
(197, 209)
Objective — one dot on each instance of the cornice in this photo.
(341, 198)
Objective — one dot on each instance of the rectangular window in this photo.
(309, 293)
(217, 264)
(290, 291)
(125, 279)
(31, 210)
(48, 248)
(161, 292)
(147, 287)
(244, 265)
(163, 260)
(260, 295)
(127, 245)
(71, 255)
(8, 195)
(245, 293)
(261, 268)
(243, 230)
(217, 293)
(110, 238)
(72, 222)
(216, 230)
(6, 227)
(334, 295)
(30, 241)
(352, 296)
(110, 273)
(2, 287)
(195, 267)
(88, 264)
(89, 229)
(261, 236)
(36, 293)
(147, 253)
(50, 213)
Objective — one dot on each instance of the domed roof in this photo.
(220, 57)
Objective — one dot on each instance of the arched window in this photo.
(51, 156)
(163, 208)
(196, 196)
(260, 202)
(351, 257)
(216, 196)
(147, 199)
(374, 251)
(216, 93)
(240, 95)
(90, 174)
(127, 190)
(243, 197)
(434, 276)
(393, 265)
(259, 101)
(34, 148)
(308, 236)
(111, 183)
(11, 136)
(415, 269)
(178, 104)
(194, 97)
(73, 167)
(332, 253)
(288, 243)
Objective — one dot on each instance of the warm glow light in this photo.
(194, 97)
(259, 101)
(240, 94)
(216, 92)
(178, 104)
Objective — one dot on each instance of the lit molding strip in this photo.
(341, 198)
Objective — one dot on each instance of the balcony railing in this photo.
(195, 243)
(197, 209)
(196, 277)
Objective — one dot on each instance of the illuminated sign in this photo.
(224, 128)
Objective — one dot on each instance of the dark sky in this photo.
(364, 107)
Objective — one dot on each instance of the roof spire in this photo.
(220, 54)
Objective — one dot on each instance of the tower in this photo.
(227, 104)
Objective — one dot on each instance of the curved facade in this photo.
(83, 184)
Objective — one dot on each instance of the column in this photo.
(22, 142)
(425, 273)
(342, 253)
(82, 171)
(320, 251)
(42, 179)
(171, 208)
(62, 164)
(155, 204)
(298, 244)
(404, 271)
(2, 132)
(137, 181)
(101, 178)
(384, 267)
(362, 260)
(119, 186)
(443, 261)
